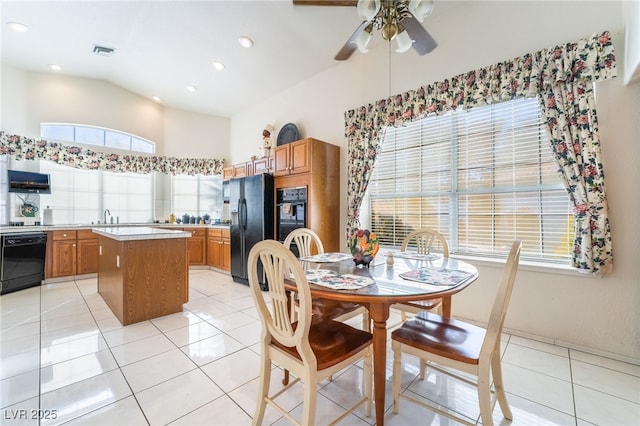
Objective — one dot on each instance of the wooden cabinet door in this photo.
(226, 255)
(214, 252)
(262, 165)
(281, 161)
(240, 170)
(300, 161)
(87, 256)
(227, 173)
(64, 258)
(197, 249)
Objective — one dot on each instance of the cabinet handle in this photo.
(64, 235)
(74, 244)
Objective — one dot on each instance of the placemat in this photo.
(435, 276)
(327, 257)
(414, 256)
(336, 281)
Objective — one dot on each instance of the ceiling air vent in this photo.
(103, 50)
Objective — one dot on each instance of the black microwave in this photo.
(226, 192)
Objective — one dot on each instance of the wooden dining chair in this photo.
(308, 244)
(446, 344)
(312, 350)
(425, 241)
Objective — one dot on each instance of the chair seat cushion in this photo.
(442, 336)
(331, 341)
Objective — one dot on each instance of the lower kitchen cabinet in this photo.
(72, 253)
(63, 253)
(219, 248)
(87, 252)
(197, 246)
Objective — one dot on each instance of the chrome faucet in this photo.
(105, 215)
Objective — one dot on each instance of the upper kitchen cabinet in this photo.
(238, 170)
(293, 158)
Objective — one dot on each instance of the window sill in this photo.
(524, 265)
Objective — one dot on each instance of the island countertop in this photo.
(139, 233)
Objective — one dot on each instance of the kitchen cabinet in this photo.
(71, 253)
(87, 252)
(63, 253)
(314, 164)
(263, 165)
(219, 248)
(293, 158)
(196, 246)
(238, 170)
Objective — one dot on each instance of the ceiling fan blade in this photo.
(325, 2)
(350, 46)
(423, 43)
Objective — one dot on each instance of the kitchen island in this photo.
(143, 272)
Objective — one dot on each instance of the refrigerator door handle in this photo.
(243, 214)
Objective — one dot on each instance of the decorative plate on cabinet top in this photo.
(288, 133)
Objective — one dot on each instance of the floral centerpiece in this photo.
(364, 247)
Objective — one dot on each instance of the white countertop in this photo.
(129, 233)
(41, 228)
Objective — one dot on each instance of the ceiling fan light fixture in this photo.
(420, 9)
(363, 41)
(389, 31)
(403, 41)
(368, 9)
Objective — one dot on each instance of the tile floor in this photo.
(63, 354)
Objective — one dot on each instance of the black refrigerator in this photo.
(251, 208)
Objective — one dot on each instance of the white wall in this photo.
(571, 309)
(30, 98)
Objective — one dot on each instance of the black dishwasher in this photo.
(22, 260)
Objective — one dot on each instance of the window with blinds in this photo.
(81, 196)
(196, 195)
(482, 177)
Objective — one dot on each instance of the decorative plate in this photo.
(364, 247)
(288, 133)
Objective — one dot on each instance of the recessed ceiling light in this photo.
(17, 26)
(192, 89)
(156, 98)
(218, 65)
(54, 67)
(245, 42)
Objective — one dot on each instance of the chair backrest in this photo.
(501, 302)
(278, 262)
(425, 240)
(304, 238)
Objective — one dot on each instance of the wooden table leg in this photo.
(446, 307)
(379, 313)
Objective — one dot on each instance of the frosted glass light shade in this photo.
(404, 42)
(368, 9)
(420, 9)
(363, 41)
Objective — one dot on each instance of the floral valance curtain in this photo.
(532, 75)
(23, 148)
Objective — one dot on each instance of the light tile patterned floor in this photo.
(63, 351)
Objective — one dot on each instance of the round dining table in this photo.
(407, 278)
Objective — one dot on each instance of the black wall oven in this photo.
(291, 212)
(21, 260)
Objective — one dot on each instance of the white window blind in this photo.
(196, 195)
(482, 178)
(81, 196)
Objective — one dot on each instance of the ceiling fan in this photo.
(396, 19)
